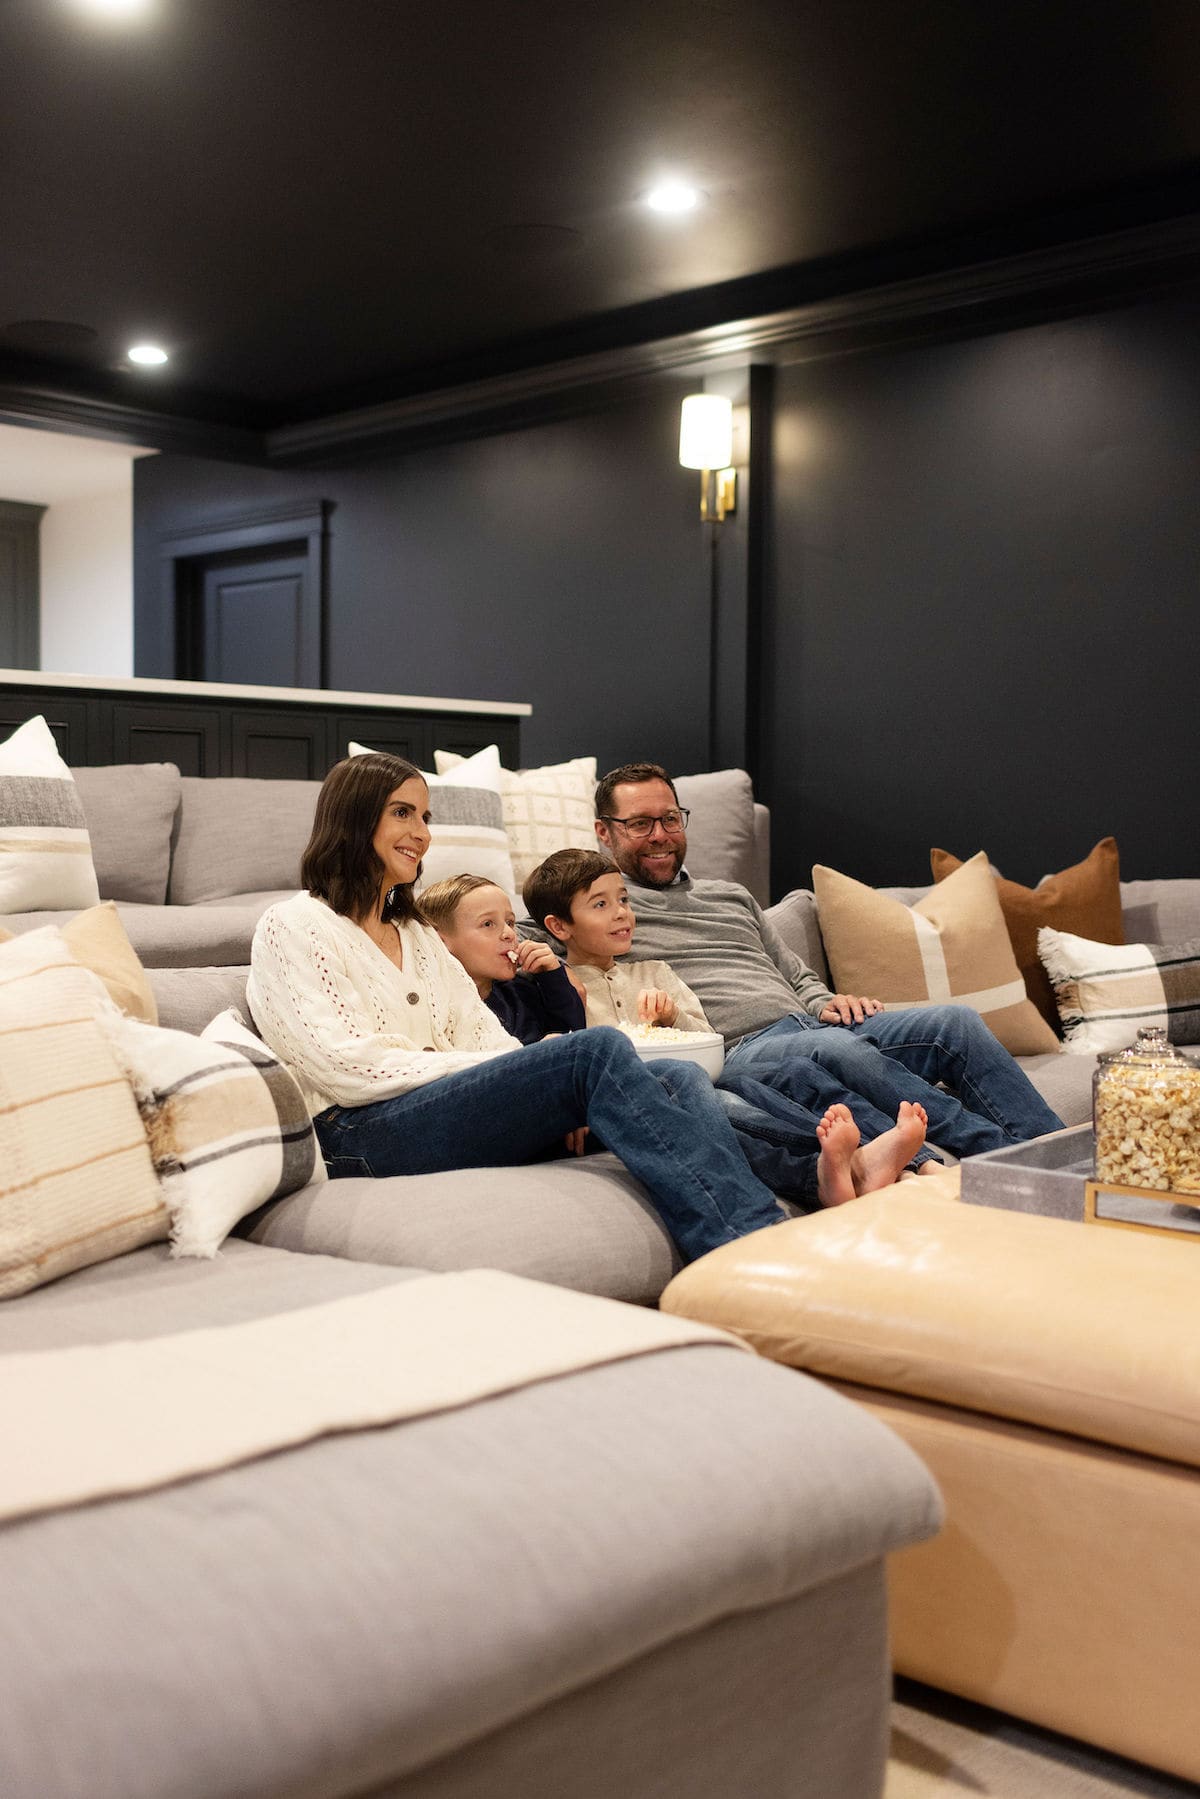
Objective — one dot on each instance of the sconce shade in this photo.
(706, 431)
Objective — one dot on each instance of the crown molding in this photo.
(80, 415)
(983, 294)
(1136, 261)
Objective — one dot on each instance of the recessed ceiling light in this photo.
(147, 355)
(673, 196)
(115, 10)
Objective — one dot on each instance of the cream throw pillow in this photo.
(45, 850)
(545, 809)
(951, 948)
(97, 940)
(76, 1181)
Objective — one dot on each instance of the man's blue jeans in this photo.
(902, 1055)
(671, 1132)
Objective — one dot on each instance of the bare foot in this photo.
(878, 1164)
(837, 1134)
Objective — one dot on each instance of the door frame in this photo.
(266, 527)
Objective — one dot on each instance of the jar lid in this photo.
(1149, 1049)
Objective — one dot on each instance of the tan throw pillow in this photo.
(951, 948)
(76, 1181)
(97, 940)
(1084, 900)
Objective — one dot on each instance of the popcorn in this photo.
(1148, 1125)
(661, 1033)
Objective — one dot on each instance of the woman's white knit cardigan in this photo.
(333, 1006)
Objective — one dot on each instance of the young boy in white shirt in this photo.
(581, 900)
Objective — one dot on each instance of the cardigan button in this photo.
(414, 999)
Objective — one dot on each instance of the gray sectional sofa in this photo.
(192, 864)
(661, 1577)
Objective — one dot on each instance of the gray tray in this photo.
(1048, 1174)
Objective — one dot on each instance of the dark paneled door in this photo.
(258, 623)
(20, 645)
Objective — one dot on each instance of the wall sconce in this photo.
(706, 443)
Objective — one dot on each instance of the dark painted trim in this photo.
(759, 536)
(81, 415)
(984, 293)
(1074, 275)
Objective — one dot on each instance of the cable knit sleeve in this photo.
(325, 1001)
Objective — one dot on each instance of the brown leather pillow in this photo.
(1085, 900)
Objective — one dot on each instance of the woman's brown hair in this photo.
(339, 865)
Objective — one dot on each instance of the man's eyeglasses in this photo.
(673, 823)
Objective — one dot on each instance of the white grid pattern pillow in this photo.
(545, 809)
(45, 850)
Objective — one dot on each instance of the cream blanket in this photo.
(89, 1423)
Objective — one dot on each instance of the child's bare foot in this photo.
(837, 1134)
(878, 1164)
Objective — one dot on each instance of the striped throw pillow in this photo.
(226, 1122)
(45, 850)
(951, 948)
(545, 809)
(1106, 992)
(76, 1181)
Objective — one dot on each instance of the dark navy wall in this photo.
(982, 623)
(982, 574)
(563, 565)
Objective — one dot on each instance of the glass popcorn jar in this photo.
(1146, 1113)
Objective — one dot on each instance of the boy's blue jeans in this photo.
(901, 1055)
(671, 1132)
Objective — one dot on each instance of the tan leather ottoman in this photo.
(1048, 1374)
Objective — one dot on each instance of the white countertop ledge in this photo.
(306, 696)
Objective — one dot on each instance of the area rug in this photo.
(947, 1748)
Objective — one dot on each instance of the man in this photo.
(782, 1026)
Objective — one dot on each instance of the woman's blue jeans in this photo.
(671, 1132)
(902, 1055)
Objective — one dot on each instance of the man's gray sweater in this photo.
(717, 939)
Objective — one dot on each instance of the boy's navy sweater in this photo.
(533, 1006)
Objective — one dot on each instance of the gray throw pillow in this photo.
(130, 809)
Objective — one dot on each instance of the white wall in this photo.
(87, 584)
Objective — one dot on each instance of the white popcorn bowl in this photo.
(704, 1047)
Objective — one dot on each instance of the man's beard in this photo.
(660, 876)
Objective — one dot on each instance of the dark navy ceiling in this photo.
(320, 205)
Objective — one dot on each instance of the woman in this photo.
(407, 1072)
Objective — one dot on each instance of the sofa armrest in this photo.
(795, 918)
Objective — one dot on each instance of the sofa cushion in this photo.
(795, 918)
(78, 1185)
(1084, 899)
(721, 828)
(584, 1223)
(179, 936)
(952, 947)
(130, 810)
(1064, 1082)
(1160, 911)
(188, 998)
(1107, 992)
(239, 836)
(45, 851)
